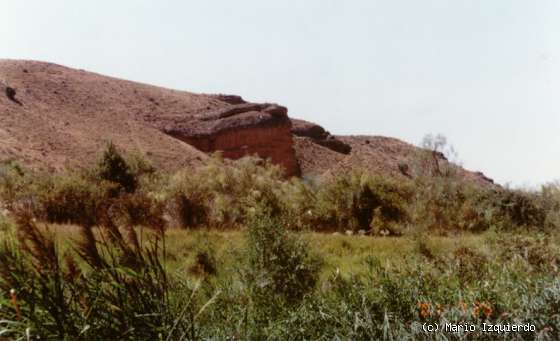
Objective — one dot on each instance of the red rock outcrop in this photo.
(319, 136)
(240, 130)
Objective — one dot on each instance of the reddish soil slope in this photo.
(381, 155)
(62, 117)
(52, 117)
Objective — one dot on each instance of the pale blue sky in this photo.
(484, 73)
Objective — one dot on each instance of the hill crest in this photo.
(53, 117)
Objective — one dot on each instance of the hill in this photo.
(52, 117)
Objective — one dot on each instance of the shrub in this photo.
(520, 208)
(444, 201)
(451, 204)
(359, 201)
(279, 271)
(537, 251)
(112, 190)
(222, 193)
(550, 199)
(437, 158)
(71, 199)
(114, 168)
(440, 204)
(469, 264)
(188, 211)
(15, 184)
(298, 200)
(205, 262)
(138, 209)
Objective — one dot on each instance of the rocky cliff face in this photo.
(240, 130)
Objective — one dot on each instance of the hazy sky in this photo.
(484, 73)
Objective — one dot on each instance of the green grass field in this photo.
(347, 253)
(367, 287)
(233, 251)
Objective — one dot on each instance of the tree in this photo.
(438, 157)
(113, 167)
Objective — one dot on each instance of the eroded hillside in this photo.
(52, 117)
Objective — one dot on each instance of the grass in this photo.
(347, 253)
(508, 276)
(233, 251)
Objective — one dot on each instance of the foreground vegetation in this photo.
(231, 250)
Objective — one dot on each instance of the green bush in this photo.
(550, 202)
(520, 208)
(223, 193)
(279, 269)
(111, 190)
(361, 202)
(444, 201)
(298, 199)
(451, 204)
(113, 167)
(15, 184)
(446, 204)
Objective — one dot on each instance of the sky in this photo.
(486, 74)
